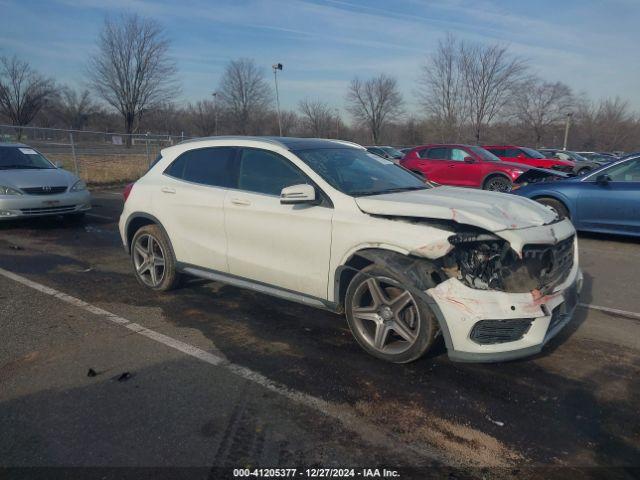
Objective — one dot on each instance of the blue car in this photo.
(606, 200)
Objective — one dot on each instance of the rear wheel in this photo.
(152, 258)
(555, 205)
(498, 183)
(386, 318)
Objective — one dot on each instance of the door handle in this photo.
(168, 190)
(241, 202)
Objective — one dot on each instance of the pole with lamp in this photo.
(215, 113)
(276, 67)
(566, 130)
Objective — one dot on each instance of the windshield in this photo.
(532, 153)
(17, 158)
(486, 155)
(357, 172)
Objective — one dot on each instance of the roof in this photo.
(289, 143)
(22, 145)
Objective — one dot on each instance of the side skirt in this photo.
(256, 286)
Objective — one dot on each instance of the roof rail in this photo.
(236, 137)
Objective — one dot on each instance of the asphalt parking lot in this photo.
(213, 376)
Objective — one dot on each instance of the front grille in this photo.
(555, 261)
(48, 210)
(487, 332)
(44, 190)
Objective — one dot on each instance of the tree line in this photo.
(466, 92)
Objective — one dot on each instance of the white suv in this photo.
(325, 223)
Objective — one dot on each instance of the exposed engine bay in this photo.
(487, 262)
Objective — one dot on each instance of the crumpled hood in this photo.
(489, 210)
(52, 177)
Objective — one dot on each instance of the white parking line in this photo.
(613, 311)
(345, 415)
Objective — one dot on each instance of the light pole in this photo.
(215, 112)
(276, 67)
(337, 123)
(566, 130)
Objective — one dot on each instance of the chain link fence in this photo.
(97, 157)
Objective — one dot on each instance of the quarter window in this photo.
(266, 172)
(206, 166)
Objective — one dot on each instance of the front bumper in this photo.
(27, 206)
(459, 308)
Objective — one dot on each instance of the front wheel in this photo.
(498, 184)
(555, 205)
(386, 318)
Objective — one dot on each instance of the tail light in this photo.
(127, 191)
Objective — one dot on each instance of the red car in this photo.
(463, 166)
(529, 156)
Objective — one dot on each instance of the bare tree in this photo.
(318, 117)
(74, 108)
(244, 93)
(539, 105)
(373, 102)
(23, 91)
(441, 88)
(490, 75)
(132, 70)
(289, 121)
(203, 117)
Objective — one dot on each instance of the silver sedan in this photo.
(32, 186)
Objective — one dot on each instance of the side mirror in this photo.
(469, 160)
(603, 179)
(58, 164)
(296, 194)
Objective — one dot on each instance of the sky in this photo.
(593, 46)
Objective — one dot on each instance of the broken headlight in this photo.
(480, 260)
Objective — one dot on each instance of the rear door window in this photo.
(207, 166)
(499, 152)
(438, 153)
(267, 172)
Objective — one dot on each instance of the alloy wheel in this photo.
(499, 185)
(149, 260)
(386, 315)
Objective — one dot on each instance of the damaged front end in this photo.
(485, 261)
(507, 293)
(537, 175)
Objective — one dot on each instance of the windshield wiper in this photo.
(364, 193)
(19, 167)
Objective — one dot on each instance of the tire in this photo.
(160, 274)
(497, 183)
(583, 171)
(556, 205)
(415, 320)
